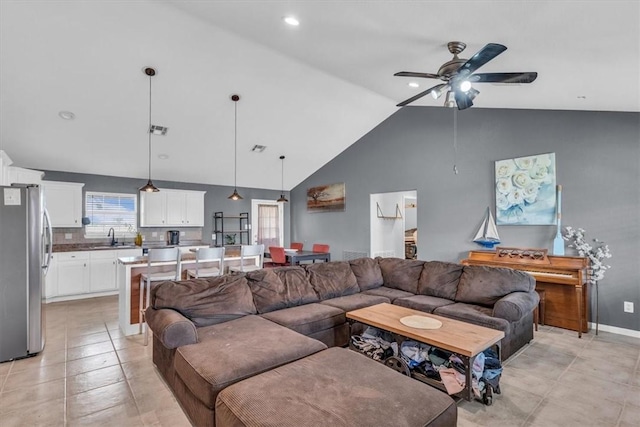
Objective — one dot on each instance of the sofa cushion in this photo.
(401, 274)
(424, 303)
(206, 301)
(390, 293)
(332, 279)
(485, 285)
(334, 387)
(232, 351)
(367, 272)
(271, 293)
(440, 279)
(355, 301)
(308, 319)
(476, 314)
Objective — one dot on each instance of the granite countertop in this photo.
(73, 247)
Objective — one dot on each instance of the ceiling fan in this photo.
(458, 74)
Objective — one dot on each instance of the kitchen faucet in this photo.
(112, 234)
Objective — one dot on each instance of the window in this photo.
(111, 210)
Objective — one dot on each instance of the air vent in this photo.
(158, 130)
(258, 148)
(349, 255)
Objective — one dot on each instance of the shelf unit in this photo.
(236, 226)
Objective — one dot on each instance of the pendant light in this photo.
(149, 187)
(282, 198)
(235, 195)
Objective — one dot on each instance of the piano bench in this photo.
(538, 312)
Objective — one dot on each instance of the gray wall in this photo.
(597, 161)
(214, 200)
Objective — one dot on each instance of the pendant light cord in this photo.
(149, 128)
(235, 145)
(282, 176)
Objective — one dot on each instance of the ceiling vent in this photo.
(258, 148)
(158, 130)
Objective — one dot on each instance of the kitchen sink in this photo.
(113, 247)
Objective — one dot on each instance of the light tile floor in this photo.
(90, 374)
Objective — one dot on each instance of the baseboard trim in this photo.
(615, 330)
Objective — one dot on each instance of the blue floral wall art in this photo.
(526, 190)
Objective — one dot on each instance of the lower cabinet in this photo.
(103, 271)
(83, 274)
(73, 273)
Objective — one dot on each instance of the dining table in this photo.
(294, 257)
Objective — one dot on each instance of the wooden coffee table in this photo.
(464, 339)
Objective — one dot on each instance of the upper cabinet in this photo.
(24, 176)
(64, 203)
(5, 161)
(172, 208)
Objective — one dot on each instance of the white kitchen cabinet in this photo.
(5, 161)
(153, 209)
(102, 271)
(73, 273)
(83, 274)
(64, 203)
(24, 176)
(51, 279)
(194, 209)
(172, 208)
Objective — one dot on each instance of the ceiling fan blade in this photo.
(418, 96)
(412, 74)
(483, 56)
(527, 77)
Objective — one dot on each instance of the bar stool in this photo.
(247, 251)
(208, 255)
(170, 255)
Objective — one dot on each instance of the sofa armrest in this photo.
(171, 328)
(516, 305)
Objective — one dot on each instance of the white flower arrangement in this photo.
(596, 252)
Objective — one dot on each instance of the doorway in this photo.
(267, 223)
(394, 224)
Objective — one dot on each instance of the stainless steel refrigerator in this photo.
(25, 252)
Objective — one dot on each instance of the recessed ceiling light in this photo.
(163, 156)
(258, 148)
(291, 20)
(582, 97)
(413, 84)
(67, 115)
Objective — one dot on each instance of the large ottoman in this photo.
(230, 352)
(335, 387)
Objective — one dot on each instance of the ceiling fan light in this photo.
(472, 93)
(450, 101)
(438, 91)
(465, 86)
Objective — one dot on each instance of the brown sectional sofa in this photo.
(211, 333)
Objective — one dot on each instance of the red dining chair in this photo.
(319, 247)
(297, 246)
(278, 257)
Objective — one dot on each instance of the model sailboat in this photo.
(487, 234)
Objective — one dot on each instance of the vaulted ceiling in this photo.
(307, 92)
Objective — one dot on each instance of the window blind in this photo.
(111, 210)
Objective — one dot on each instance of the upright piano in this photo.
(563, 279)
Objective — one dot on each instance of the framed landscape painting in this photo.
(526, 190)
(326, 198)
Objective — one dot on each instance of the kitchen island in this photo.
(128, 279)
